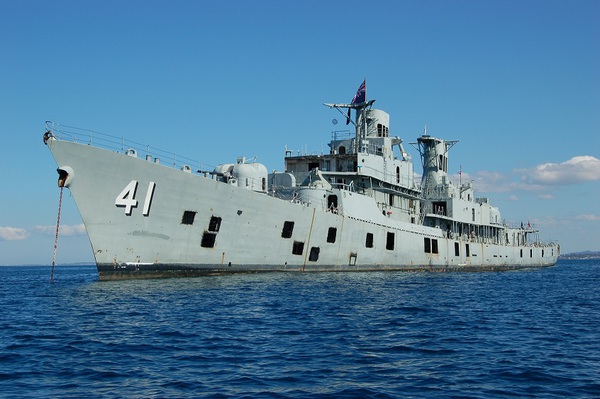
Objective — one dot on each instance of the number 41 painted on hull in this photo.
(127, 199)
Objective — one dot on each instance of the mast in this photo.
(434, 159)
(360, 100)
(360, 104)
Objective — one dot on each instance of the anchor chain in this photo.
(56, 236)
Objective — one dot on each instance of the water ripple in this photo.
(529, 333)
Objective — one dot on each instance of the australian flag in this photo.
(361, 94)
(359, 98)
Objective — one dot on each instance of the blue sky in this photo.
(517, 82)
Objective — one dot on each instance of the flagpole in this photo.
(364, 116)
(360, 106)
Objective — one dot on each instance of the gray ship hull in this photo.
(145, 219)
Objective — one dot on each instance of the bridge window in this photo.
(382, 130)
(439, 208)
(379, 130)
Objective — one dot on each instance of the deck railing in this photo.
(122, 145)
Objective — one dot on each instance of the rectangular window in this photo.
(389, 242)
(352, 259)
(369, 240)
(215, 224)
(288, 228)
(467, 252)
(314, 254)
(473, 213)
(209, 236)
(531, 253)
(331, 233)
(188, 217)
(434, 246)
(456, 249)
(298, 248)
(427, 245)
(439, 208)
(521, 253)
(208, 239)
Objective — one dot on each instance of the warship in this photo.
(359, 207)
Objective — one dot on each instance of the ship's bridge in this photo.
(372, 136)
(367, 153)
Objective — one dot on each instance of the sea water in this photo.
(530, 333)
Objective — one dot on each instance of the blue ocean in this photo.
(523, 334)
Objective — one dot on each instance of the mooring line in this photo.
(56, 236)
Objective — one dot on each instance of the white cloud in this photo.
(546, 221)
(65, 230)
(72, 230)
(494, 182)
(540, 178)
(13, 233)
(588, 217)
(575, 170)
(45, 229)
(491, 177)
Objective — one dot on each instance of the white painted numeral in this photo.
(127, 199)
(148, 200)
